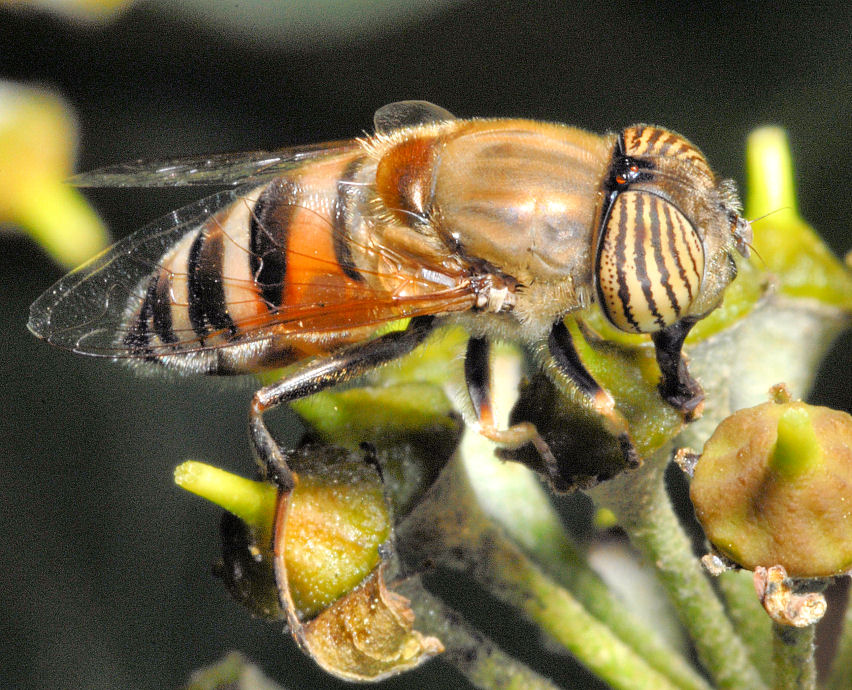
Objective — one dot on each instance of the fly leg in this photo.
(677, 387)
(317, 376)
(477, 374)
(568, 363)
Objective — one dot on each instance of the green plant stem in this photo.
(750, 620)
(841, 669)
(793, 657)
(535, 526)
(565, 619)
(475, 656)
(603, 604)
(642, 506)
(449, 529)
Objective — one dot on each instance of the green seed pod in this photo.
(330, 527)
(774, 487)
(336, 519)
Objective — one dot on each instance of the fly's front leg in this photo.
(477, 374)
(677, 387)
(317, 376)
(568, 362)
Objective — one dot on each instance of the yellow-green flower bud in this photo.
(38, 136)
(335, 519)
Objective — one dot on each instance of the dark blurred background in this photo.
(106, 565)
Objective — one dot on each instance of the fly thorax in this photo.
(521, 197)
(405, 178)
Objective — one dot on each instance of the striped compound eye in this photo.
(650, 263)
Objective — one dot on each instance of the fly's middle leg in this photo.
(477, 372)
(319, 375)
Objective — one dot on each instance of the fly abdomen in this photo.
(202, 289)
(271, 258)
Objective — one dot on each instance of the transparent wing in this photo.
(219, 169)
(92, 310)
(253, 166)
(85, 310)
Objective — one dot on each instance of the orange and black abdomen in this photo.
(296, 268)
(254, 271)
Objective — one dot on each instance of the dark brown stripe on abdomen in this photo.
(268, 241)
(208, 309)
(345, 208)
(138, 338)
(161, 308)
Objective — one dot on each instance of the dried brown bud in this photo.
(783, 603)
(367, 635)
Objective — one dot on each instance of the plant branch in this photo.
(475, 656)
(642, 506)
(449, 529)
(748, 616)
(535, 526)
(841, 675)
(793, 657)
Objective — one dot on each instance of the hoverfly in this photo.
(501, 225)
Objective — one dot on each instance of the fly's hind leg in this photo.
(317, 376)
(568, 363)
(477, 374)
